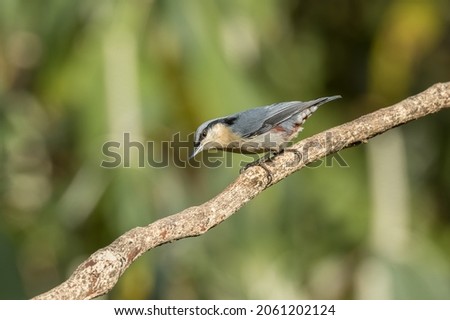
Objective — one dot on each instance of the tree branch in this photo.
(101, 271)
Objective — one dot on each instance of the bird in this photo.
(269, 129)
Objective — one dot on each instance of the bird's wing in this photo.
(280, 112)
(259, 120)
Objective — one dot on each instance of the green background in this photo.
(76, 74)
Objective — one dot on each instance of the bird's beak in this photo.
(197, 150)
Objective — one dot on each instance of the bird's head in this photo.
(214, 134)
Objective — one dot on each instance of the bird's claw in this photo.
(267, 158)
(297, 153)
(261, 163)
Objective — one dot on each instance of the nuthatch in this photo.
(261, 129)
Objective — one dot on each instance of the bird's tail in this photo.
(323, 100)
(309, 107)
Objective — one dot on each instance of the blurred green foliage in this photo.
(75, 74)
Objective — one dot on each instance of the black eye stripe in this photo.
(227, 121)
(230, 120)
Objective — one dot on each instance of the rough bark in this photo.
(101, 271)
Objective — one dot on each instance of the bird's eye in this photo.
(203, 134)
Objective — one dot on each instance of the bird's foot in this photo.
(297, 153)
(261, 163)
